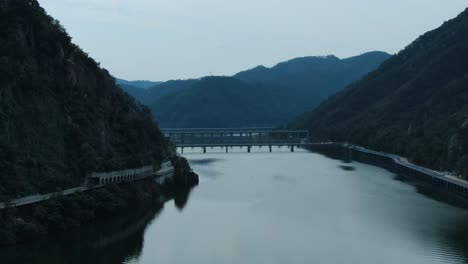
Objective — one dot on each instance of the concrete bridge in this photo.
(236, 137)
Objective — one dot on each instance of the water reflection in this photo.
(458, 237)
(116, 240)
(304, 208)
(203, 161)
(347, 167)
(206, 163)
(181, 198)
(273, 208)
(283, 178)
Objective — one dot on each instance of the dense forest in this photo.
(307, 81)
(62, 115)
(415, 104)
(218, 102)
(257, 97)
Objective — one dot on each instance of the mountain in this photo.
(61, 115)
(317, 77)
(308, 81)
(415, 104)
(138, 93)
(281, 92)
(217, 102)
(150, 95)
(138, 84)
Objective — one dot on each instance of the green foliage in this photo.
(415, 104)
(61, 115)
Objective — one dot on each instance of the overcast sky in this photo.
(177, 39)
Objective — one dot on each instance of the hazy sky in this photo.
(175, 39)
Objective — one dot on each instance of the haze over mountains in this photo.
(415, 104)
(257, 97)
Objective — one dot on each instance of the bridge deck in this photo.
(231, 137)
(252, 144)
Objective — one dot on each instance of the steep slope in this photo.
(61, 115)
(415, 104)
(282, 92)
(217, 102)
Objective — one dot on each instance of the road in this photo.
(42, 197)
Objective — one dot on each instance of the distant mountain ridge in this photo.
(287, 89)
(138, 84)
(415, 104)
(150, 95)
(310, 80)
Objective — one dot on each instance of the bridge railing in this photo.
(233, 136)
(243, 129)
(234, 142)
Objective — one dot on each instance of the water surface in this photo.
(275, 207)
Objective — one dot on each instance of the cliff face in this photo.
(61, 115)
(415, 104)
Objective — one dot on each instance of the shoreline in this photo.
(60, 214)
(438, 185)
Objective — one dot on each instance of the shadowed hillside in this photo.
(61, 115)
(310, 80)
(150, 95)
(218, 102)
(258, 97)
(415, 104)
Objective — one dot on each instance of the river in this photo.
(278, 207)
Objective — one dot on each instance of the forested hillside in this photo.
(150, 95)
(257, 97)
(415, 104)
(309, 80)
(61, 115)
(218, 102)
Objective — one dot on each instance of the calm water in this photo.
(276, 207)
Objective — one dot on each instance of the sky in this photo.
(177, 39)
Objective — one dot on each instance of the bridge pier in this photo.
(242, 137)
